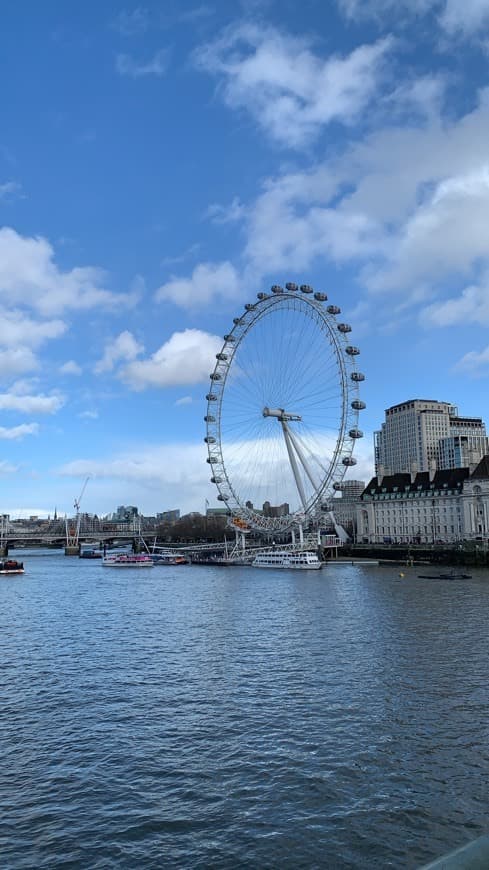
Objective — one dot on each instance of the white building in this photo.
(420, 431)
(436, 506)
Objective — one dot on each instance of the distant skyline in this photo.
(162, 162)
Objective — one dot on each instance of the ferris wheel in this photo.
(282, 409)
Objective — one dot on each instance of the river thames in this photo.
(198, 717)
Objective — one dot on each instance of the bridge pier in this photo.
(72, 551)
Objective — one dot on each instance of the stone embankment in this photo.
(467, 553)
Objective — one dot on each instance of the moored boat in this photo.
(303, 560)
(168, 559)
(127, 560)
(11, 566)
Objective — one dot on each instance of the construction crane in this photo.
(73, 529)
(76, 504)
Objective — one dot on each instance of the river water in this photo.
(198, 717)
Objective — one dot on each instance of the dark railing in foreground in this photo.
(472, 856)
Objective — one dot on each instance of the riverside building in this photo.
(428, 507)
(420, 432)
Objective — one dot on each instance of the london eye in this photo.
(282, 408)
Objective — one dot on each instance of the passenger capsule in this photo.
(358, 405)
(262, 295)
(209, 419)
(357, 377)
(352, 351)
(216, 479)
(355, 433)
(211, 397)
(349, 460)
(222, 356)
(209, 439)
(337, 486)
(333, 309)
(291, 287)
(249, 306)
(238, 321)
(344, 327)
(320, 297)
(222, 497)
(230, 337)
(212, 460)
(276, 288)
(306, 288)
(216, 376)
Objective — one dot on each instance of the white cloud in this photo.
(474, 363)
(16, 329)
(31, 404)
(444, 236)
(88, 415)
(124, 347)
(185, 400)
(126, 65)
(187, 357)
(17, 361)
(10, 190)
(455, 17)
(131, 23)
(30, 277)
(167, 475)
(71, 368)
(7, 467)
(16, 433)
(209, 282)
(291, 91)
(471, 306)
(464, 16)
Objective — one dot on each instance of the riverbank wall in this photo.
(407, 554)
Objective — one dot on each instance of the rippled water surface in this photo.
(237, 718)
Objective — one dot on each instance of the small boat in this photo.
(127, 560)
(11, 566)
(168, 559)
(452, 576)
(91, 554)
(301, 561)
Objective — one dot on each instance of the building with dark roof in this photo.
(435, 506)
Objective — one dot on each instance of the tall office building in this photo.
(421, 433)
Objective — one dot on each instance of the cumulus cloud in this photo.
(17, 361)
(16, 433)
(455, 17)
(168, 475)
(474, 363)
(71, 368)
(187, 357)
(30, 277)
(444, 235)
(31, 404)
(17, 328)
(471, 306)
(208, 282)
(286, 87)
(124, 347)
(157, 65)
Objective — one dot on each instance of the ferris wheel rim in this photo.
(314, 306)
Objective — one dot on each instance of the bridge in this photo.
(69, 533)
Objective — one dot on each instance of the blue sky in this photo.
(162, 163)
